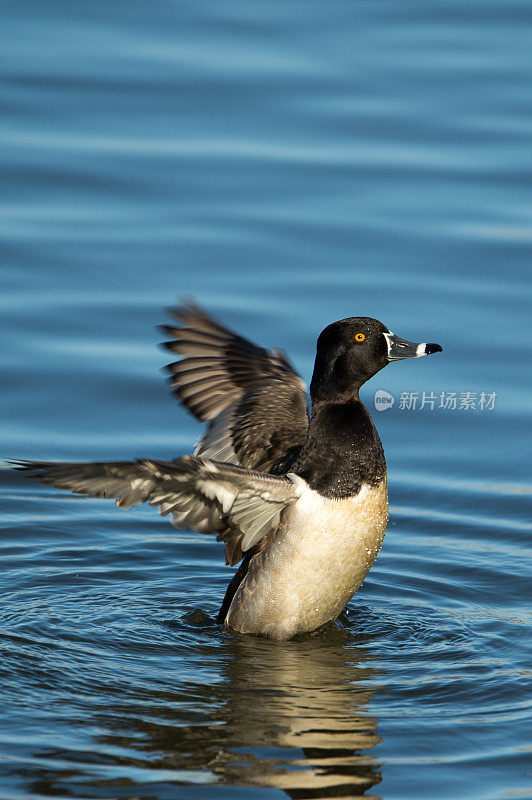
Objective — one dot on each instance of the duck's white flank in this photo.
(314, 564)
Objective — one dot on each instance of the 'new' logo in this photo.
(383, 400)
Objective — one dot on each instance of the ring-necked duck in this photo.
(302, 503)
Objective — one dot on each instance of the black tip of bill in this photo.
(432, 347)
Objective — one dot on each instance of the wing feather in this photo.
(239, 505)
(253, 399)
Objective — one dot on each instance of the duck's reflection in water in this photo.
(290, 716)
(295, 718)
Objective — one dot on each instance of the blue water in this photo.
(288, 164)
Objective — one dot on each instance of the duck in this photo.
(299, 499)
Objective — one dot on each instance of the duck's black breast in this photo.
(343, 450)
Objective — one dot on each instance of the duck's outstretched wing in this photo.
(239, 505)
(253, 399)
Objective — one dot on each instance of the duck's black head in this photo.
(351, 351)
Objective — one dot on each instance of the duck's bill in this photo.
(401, 348)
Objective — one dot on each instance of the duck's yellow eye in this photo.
(359, 337)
